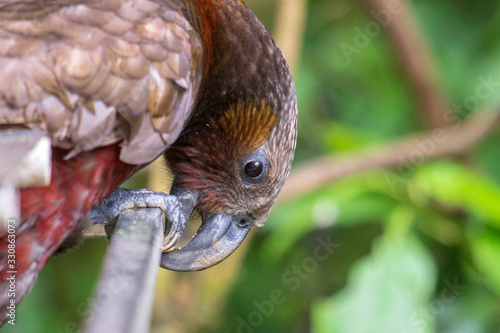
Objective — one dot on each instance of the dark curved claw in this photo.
(218, 237)
(187, 200)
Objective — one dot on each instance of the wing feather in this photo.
(98, 73)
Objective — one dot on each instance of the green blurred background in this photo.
(412, 248)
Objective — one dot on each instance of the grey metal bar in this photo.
(25, 161)
(125, 294)
(94, 231)
(25, 157)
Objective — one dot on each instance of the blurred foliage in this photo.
(380, 251)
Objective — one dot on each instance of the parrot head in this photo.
(232, 159)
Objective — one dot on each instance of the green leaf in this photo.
(385, 292)
(339, 137)
(455, 185)
(485, 247)
(472, 312)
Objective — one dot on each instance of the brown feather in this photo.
(105, 54)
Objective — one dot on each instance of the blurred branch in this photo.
(415, 58)
(289, 31)
(407, 152)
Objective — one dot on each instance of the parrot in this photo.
(116, 84)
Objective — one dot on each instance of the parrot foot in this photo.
(121, 199)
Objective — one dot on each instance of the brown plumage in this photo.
(100, 73)
(116, 83)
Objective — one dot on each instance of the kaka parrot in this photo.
(115, 84)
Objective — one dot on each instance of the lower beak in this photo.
(218, 237)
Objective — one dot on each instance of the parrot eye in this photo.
(254, 168)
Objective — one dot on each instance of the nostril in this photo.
(244, 221)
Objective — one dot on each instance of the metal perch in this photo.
(124, 297)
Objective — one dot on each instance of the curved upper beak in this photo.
(219, 236)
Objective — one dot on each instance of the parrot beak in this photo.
(219, 235)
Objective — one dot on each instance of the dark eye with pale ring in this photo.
(254, 168)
